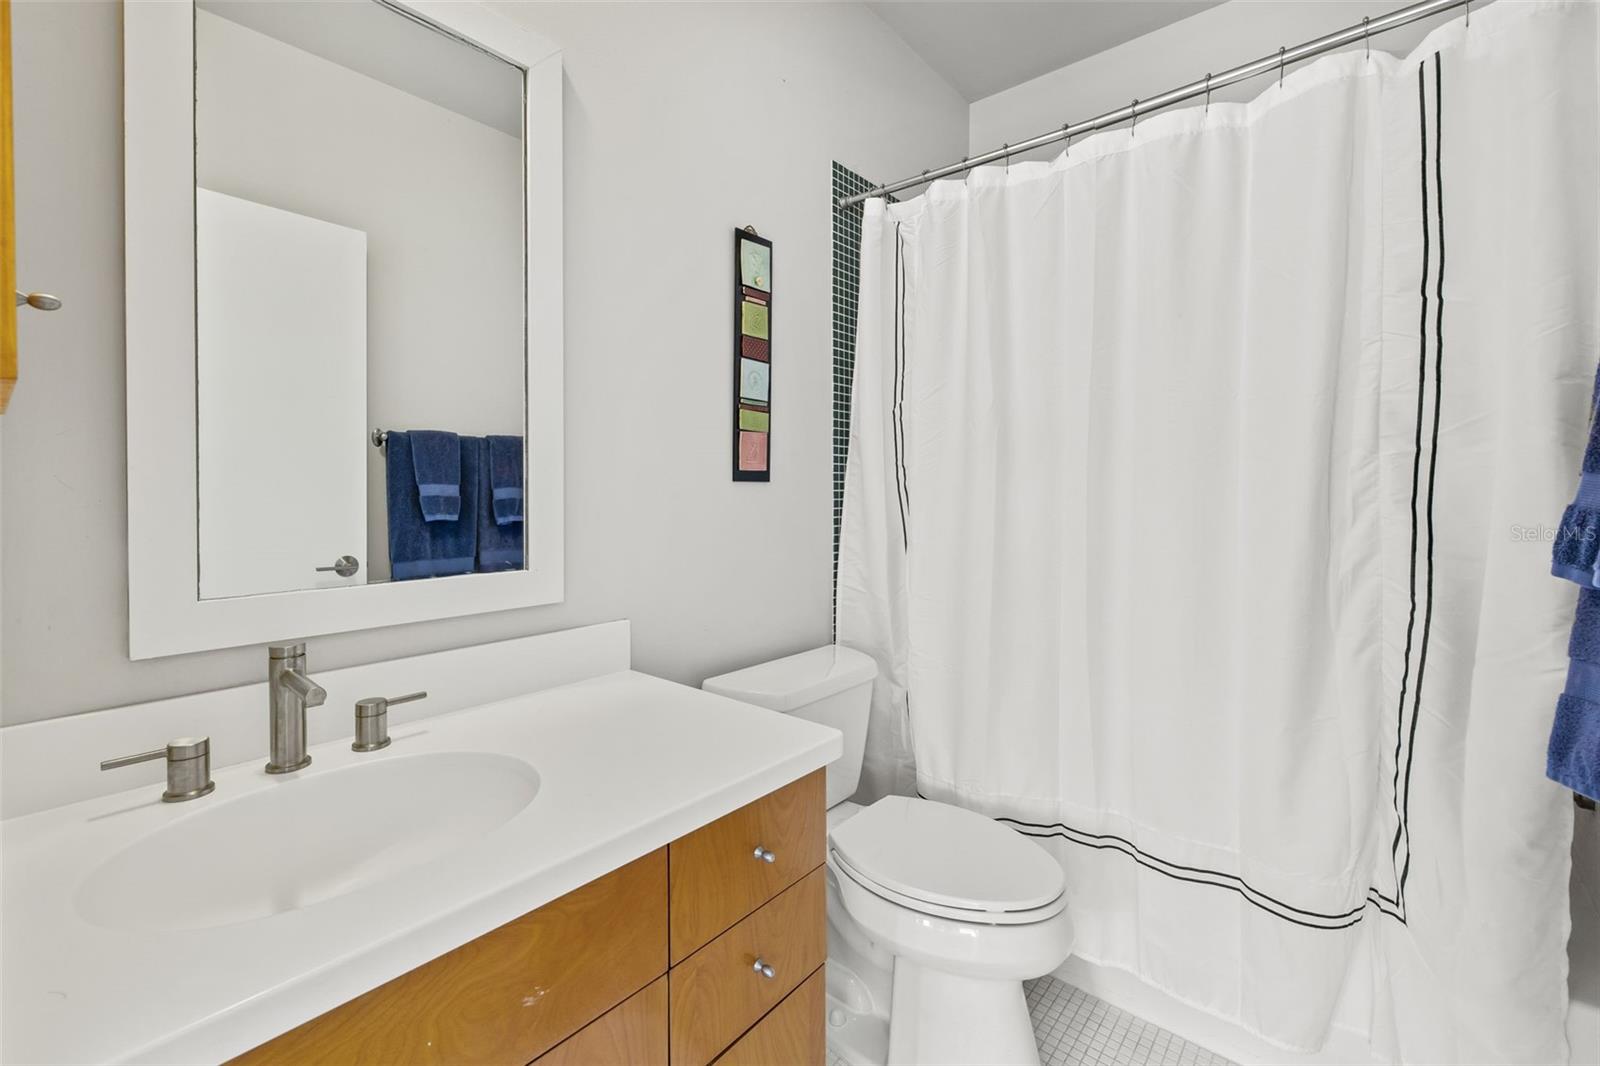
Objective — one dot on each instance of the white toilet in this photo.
(936, 914)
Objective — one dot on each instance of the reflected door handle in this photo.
(344, 566)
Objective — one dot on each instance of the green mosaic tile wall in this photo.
(846, 290)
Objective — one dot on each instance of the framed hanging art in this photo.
(752, 356)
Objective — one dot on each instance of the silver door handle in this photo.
(39, 301)
(344, 566)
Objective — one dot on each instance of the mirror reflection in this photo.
(360, 299)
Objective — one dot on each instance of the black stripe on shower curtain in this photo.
(1430, 312)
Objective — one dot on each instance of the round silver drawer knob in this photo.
(764, 970)
(764, 855)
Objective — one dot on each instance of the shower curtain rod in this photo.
(1363, 30)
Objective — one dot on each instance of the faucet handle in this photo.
(188, 767)
(372, 720)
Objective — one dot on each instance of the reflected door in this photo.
(282, 378)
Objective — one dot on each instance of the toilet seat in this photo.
(943, 860)
(976, 916)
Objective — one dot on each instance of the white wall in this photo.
(1212, 41)
(683, 121)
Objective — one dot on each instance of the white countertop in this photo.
(627, 763)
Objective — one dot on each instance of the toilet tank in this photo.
(831, 685)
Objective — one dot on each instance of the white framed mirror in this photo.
(344, 335)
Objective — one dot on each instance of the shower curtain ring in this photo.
(1066, 127)
(1281, 51)
(1469, 14)
(1366, 33)
(1006, 148)
(1208, 93)
(1134, 110)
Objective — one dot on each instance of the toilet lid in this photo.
(945, 855)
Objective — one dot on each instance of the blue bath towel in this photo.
(419, 548)
(505, 478)
(1577, 548)
(1574, 754)
(437, 458)
(499, 543)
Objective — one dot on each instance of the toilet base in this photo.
(856, 1038)
(944, 1019)
(860, 989)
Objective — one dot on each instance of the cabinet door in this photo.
(509, 996)
(717, 876)
(633, 1033)
(790, 1035)
(717, 993)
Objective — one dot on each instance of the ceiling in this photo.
(375, 40)
(984, 47)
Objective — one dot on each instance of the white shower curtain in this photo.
(1197, 514)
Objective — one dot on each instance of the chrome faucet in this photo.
(289, 693)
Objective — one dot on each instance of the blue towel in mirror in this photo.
(499, 543)
(505, 478)
(417, 547)
(436, 456)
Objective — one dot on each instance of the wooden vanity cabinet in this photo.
(8, 217)
(508, 996)
(708, 950)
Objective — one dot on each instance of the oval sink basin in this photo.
(305, 841)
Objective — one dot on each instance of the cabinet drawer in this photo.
(633, 1033)
(717, 994)
(791, 1034)
(508, 996)
(717, 877)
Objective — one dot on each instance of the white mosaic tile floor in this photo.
(1075, 1028)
